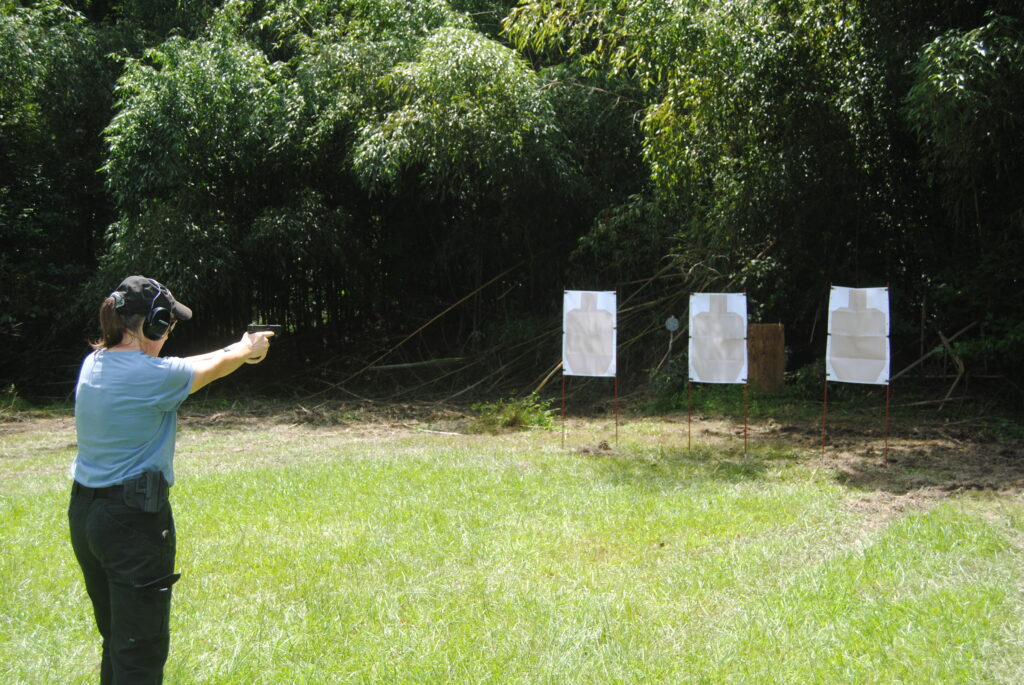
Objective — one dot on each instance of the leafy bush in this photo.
(513, 414)
(10, 402)
(668, 387)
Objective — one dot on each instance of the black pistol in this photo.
(274, 328)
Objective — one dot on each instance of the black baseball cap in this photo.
(140, 295)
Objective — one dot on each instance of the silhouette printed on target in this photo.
(718, 338)
(858, 341)
(588, 343)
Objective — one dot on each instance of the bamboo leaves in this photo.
(465, 106)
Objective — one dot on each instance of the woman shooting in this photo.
(122, 529)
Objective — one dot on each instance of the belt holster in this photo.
(147, 492)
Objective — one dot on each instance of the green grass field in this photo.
(348, 553)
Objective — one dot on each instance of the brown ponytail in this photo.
(113, 326)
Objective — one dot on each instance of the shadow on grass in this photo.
(926, 455)
(981, 467)
(670, 469)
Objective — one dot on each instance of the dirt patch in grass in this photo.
(28, 422)
(914, 467)
(930, 456)
(362, 417)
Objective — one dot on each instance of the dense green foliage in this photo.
(353, 168)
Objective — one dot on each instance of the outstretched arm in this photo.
(252, 348)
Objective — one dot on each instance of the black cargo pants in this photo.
(127, 559)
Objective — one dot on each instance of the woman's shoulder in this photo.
(138, 362)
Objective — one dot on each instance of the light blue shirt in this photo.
(126, 415)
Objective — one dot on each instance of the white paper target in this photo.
(589, 333)
(718, 338)
(858, 336)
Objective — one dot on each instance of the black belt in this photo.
(109, 492)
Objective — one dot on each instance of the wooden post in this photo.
(689, 413)
(766, 356)
(563, 410)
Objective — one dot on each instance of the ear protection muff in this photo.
(158, 321)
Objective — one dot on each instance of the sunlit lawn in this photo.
(341, 554)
